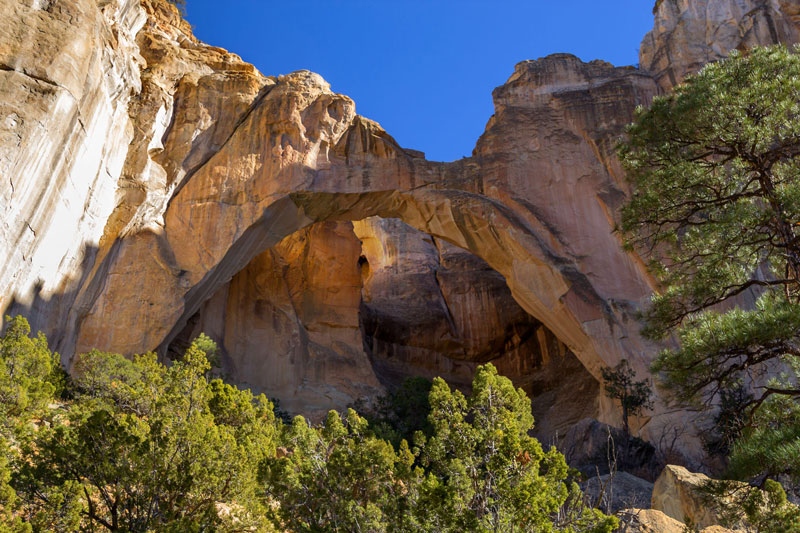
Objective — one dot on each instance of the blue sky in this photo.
(424, 69)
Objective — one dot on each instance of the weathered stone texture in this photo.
(288, 323)
(68, 72)
(677, 494)
(690, 33)
(152, 186)
(653, 521)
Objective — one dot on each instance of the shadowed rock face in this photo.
(154, 186)
(338, 311)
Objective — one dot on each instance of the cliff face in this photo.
(687, 34)
(68, 74)
(154, 187)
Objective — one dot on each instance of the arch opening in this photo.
(340, 311)
(182, 278)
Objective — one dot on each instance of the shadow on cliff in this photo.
(49, 311)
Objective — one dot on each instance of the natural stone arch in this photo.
(547, 287)
(299, 156)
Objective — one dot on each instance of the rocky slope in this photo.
(154, 187)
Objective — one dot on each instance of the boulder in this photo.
(647, 521)
(596, 448)
(621, 490)
(676, 493)
(654, 521)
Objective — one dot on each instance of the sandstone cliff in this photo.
(154, 187)
(687, 34)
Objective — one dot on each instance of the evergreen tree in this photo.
(485, 473)
(715, 170)
(633, 396)
(140, 446)
(401, 413)
(339, 477)
(478, 471)
(144, 447)
(29, 375)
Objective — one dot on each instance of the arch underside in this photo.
(340, 311)
(558, 297)
(279, 173)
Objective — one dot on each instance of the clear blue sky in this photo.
(424, 69)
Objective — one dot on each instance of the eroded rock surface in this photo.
(612, 493)
(653, 521)
(153, 186)
(677, 493)
(288, 323)
(690, 33)
(69, 71)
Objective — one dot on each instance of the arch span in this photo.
(301, 155)
(547, 286)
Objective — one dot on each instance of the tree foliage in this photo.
(478, 471)
(750, 509)
(29, 375)
(485, 473)
(633, 396)
(338, 477)
(141, 446)
(401, 413)
(180, 4)
(144, 447)
(715, 169)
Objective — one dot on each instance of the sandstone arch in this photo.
(301, 155)
(117, 172)
(547, 287)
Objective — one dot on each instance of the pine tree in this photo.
(633, 396)
(715, 173)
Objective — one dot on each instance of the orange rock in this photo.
(154, 185)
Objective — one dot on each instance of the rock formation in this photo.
(653, 521)
(675, 494)
(617, 492)
(154, 186)
(687, 34)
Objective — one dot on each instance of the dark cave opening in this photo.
(342, 311)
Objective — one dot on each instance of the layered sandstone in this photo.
(154, 186)
(68, 74)
(687, 34)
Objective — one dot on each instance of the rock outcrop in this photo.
(690, 33)
(616, 492)
(648, 521)
(653, 521)
(695, 499)
(69, 72)
(677, 493)
(153, 186)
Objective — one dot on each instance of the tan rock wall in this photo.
(288, 323)
(432, 309)
(151, 184)
(676, 494)
(68, 72)
(687, 34)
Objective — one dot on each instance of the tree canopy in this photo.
(137, 445)
(715, 173)
(633, 396)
